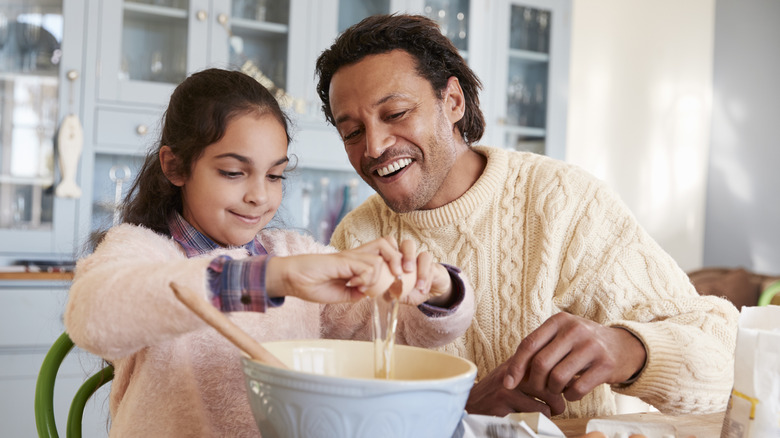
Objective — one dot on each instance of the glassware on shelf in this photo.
(317, 199)
(5, 34)
(28, 36)
(259, 36)
(113, 176)
(275, 11)
(452, 17)
(529, 29)
(154, 41)
(118, 174)
(156, 66)
(528, 69)
(30, 41)
(543, 32)
(352, 11)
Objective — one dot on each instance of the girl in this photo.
(195, 215)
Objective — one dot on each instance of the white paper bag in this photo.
(754, 406)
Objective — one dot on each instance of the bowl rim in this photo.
(401, 384)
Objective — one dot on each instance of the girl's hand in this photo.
(423, 279)
(338, 277)
(433, 284)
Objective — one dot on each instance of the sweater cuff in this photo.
(239, 285)
(458, 293)
(664, 359)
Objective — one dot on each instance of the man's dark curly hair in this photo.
(437, 61)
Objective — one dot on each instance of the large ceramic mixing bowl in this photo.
(330, 391)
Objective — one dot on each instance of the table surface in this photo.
(46, 276)
(690, 425)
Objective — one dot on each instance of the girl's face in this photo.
(236, 185)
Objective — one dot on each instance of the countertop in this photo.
(689, 425)
(36, 276)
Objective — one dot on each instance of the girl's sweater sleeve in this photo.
(120, 300)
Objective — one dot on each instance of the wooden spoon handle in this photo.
(225, 326)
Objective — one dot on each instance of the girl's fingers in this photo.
(409, 253)
(424, 272)
(388, 250)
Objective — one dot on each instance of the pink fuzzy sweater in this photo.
(175, 376)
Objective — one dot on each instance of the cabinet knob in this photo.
(201, 15)
(72, 75)
(141, 129)
(222, 19)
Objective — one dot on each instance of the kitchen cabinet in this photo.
(30, 321)
(127, 57)
(144, 48)
(528, 88)
(114, 63)
(160, 41)
(39, 44)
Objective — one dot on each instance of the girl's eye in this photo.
(277, 177)
(229, 174)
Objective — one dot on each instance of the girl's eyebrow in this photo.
(247, 160)
(235, 156)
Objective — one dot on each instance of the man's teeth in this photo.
(394, 167)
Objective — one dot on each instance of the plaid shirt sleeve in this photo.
(458, 292)
(239, 285)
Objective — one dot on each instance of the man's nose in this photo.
(378, 139)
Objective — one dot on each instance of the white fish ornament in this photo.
(70, 140)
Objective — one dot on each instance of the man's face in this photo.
(397, 132)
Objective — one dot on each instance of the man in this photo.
(574, 299)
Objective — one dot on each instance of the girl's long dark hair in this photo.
(197, 116)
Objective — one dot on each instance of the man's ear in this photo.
(169, 164)
(454, 100)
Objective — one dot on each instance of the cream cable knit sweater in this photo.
(537, 237)
(175, 376)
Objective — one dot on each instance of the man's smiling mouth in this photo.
(394, 167)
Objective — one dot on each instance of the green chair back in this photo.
(768, 295)
(44, 391)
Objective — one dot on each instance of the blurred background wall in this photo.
(673, 104)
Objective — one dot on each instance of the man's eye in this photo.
(352, 135)
(396, 115)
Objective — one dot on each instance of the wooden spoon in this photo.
(225, 326)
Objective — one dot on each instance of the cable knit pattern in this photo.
(538, 236)
(175, 376)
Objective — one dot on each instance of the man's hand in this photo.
(571, 355)
(566, 357)
(490, 397)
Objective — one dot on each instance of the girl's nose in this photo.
(256, 192)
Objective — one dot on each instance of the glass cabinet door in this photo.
(531, 69)
(527, 86)
(152, 50)
(258, 41)
(352, 11)
(39, 45)
(453, 19)
(30, 53)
